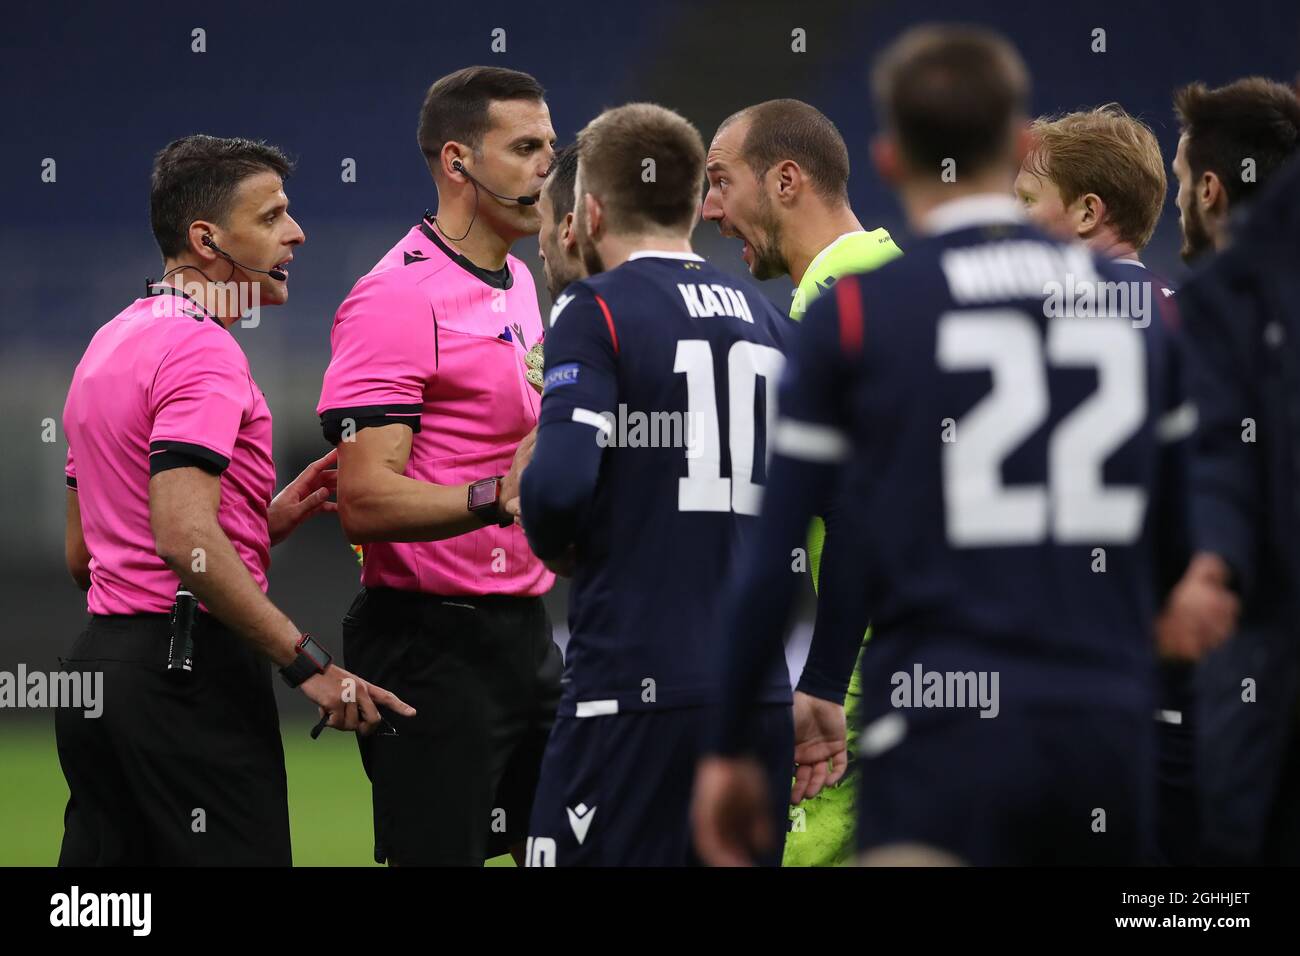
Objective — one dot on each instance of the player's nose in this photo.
(297, 237)
(711, 211)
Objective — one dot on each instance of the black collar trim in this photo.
(159, 289)
(500, 279)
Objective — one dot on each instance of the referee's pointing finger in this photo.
(391, 701)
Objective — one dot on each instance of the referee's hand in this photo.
(306, 495)
(349, 702)
(510, 484)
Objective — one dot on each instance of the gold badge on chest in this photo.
(536, 363)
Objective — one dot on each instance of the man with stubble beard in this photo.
(1241, 375)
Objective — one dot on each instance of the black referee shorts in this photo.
(178, 770)
(455, 784)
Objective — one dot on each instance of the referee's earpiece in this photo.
(459, 167)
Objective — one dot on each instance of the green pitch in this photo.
(329, 798)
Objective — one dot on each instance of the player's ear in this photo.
(1092, 211)
(595, 214)
(1211, 195)
(789, 180)
(194, 239)
(884, 156)
(568, 238)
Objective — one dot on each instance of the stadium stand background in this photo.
(101, 88)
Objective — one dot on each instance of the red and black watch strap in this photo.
(312, 659)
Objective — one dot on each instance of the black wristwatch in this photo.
(485, 502)
(312, 659)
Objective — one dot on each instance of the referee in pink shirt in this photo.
(428, 401)
(170, 484)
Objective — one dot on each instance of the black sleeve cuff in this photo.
(72, 482)
(165, 455)
(332, 421)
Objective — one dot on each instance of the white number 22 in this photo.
(1076, 504)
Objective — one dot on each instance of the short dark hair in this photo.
(1253, 118)
(792, 129)
(613, 150)
(456, 107)
(195, 177)
(951, 92)
(560, 180)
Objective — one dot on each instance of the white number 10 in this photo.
(704, 488)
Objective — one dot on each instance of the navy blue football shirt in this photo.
(995, 428)
(650, 465)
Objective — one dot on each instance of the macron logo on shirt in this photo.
(560, 303)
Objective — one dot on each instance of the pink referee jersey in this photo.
(163, 385)
(430, 340)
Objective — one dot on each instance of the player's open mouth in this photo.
(281, 267)
(746, 250)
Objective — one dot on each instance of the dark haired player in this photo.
(1236, 141)
(647, 517)
(557, 239)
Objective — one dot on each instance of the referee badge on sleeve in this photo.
(535, 362)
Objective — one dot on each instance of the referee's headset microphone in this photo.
(457, 165)
(274, 273)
